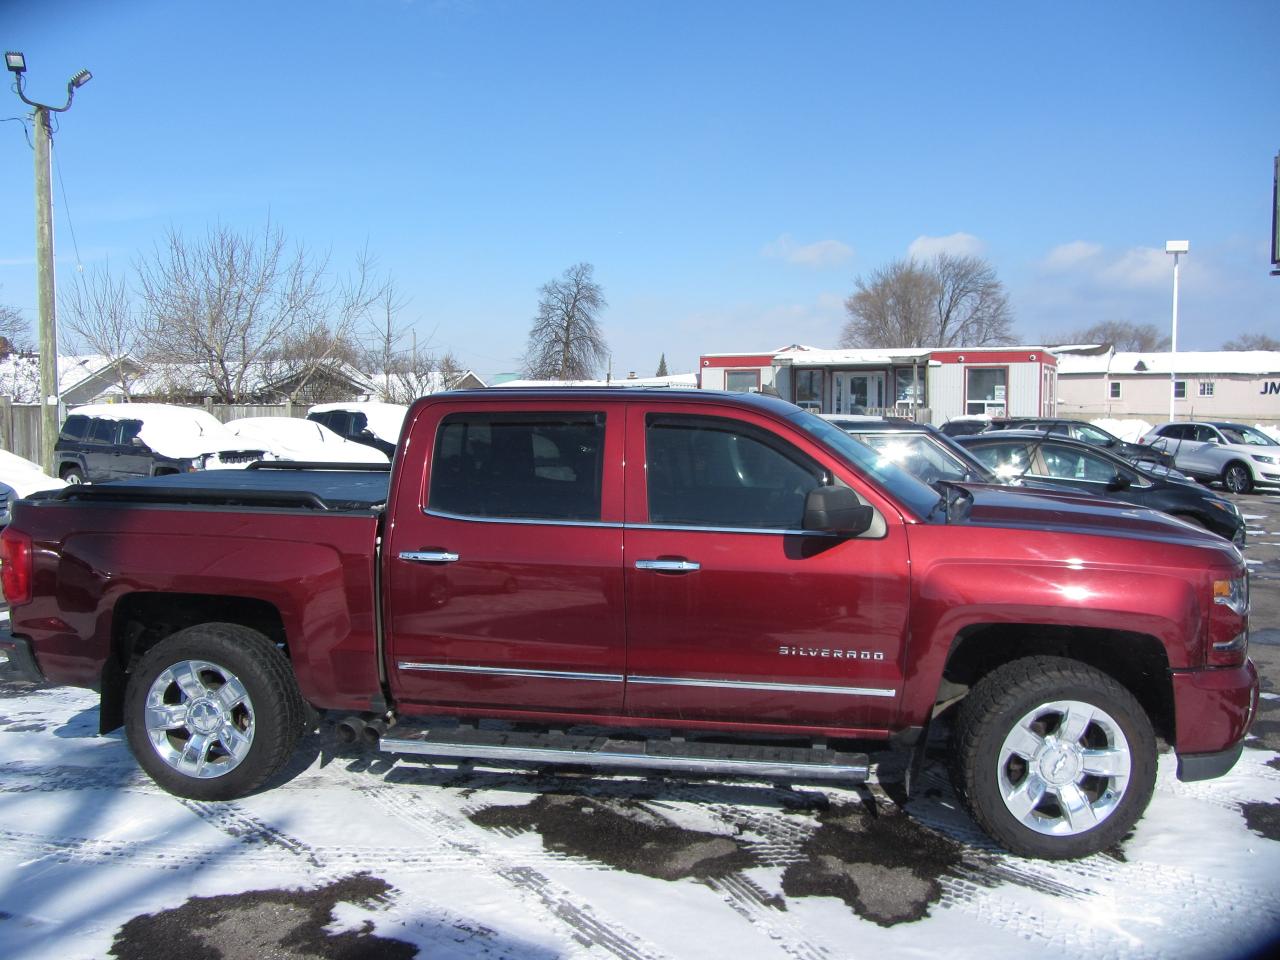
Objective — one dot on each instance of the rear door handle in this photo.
(429, 556)
(669, 566)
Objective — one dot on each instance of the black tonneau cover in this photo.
(289, 486)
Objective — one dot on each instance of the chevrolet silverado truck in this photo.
(719, 584)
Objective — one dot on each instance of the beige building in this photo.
(1241, 385)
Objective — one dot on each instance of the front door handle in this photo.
(429, 556)
(669, 566)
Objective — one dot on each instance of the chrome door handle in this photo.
(669, 566)
(429, 556)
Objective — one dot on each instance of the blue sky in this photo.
(729, 168)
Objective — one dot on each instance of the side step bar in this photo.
(698, 757)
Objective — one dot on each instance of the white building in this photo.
(1216, 385)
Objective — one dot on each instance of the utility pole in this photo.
(17, 65)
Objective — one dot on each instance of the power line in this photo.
(57, 166)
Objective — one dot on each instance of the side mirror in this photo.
(1119, 482)
(837, 510)
(137, 442)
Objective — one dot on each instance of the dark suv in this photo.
(120, 441)
(1085, 433)
(369, 422)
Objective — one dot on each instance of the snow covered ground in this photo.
(488, 863)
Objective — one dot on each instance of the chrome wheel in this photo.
(199, 719)
(1064, 767)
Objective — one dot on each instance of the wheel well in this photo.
(66, 466)
(1236, 463)
(1135, 660)
(141, 620)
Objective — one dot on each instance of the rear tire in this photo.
(73, 475)
(213, 711)
(1237, 478)
(1053, 758)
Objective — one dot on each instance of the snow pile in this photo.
(24, 476)
(292, 439)
(1128, 430)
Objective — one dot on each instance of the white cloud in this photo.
(955, 244)
(1140, 267)
(1065, 256)
(820, 253)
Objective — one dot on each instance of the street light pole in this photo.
(17, 65)
(1177, 248)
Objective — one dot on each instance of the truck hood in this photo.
(1043, 509)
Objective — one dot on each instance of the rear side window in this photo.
(75, 428)
(713, 472)
(103, 431)
(537, 466)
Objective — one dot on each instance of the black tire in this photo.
(1021, 703)
(73, 475)
(185, 675)
(1237, 478)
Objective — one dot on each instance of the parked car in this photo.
(1089, 469)
(290, 438)
(922, 450)
(20, 477)
(371, 422)
(117, 441)
(1239, 457)
(963, 426)
(1086, 433)
(701, 572)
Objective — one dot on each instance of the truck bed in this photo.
(295, 485)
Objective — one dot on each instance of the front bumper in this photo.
(17, 662)
(1214, 709)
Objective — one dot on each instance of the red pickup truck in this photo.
(688, 581)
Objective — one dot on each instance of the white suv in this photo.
(1238, 456)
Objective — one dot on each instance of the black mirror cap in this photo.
(837, 510)
(1119, 482)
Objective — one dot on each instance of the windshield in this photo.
(915, 494)
(1247, 435)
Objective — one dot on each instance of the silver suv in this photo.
(1238, 456)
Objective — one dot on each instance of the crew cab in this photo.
(679, 580)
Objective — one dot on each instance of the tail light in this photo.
(15, 566)
(1229, 622)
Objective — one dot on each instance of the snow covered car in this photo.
(371, 422)
(117, 441)
(1238, 456)
(290, 438)
(20, 477)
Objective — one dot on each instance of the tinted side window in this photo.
(540, 466)
(103, 431)
(711, 472)
(1070, 464)
(1005, 459)
(75, 428)
(129, 429)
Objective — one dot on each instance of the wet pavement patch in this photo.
(1262, 818)
(622, 834)
(877, 860)
(285, 924)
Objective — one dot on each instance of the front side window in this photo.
(102, 431)
(713, 472)
(534, 466)
(1008, 461)
(1068, 463)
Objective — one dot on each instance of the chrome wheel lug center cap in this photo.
(204, 716)
(1059, 763)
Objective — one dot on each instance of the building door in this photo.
(858, 392)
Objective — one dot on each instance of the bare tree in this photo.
(1120, 334)
(14, 331)
(450, 370)
(221, 303)
(99, 310)
(1252, 341)
(894, 307)
(972, 307)
(565, 342)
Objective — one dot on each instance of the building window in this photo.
(809, 389)
(1179, 389)
(741, 381)
(908, 386)
(1206, 388)
(1113, 390)
(986, 391)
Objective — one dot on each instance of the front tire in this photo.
(1237, 478)
(212, 711)
(1053, 758)
(73, 475)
